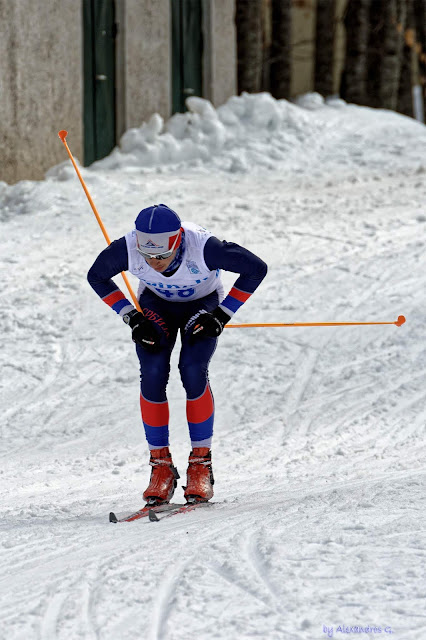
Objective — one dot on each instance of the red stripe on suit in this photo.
(242, 296)
(112, 298)
(201, 408)
(155, 414)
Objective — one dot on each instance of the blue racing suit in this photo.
(171, 317)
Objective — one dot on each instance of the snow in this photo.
(319, 446)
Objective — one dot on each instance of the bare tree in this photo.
(375, 53)
(266, 44)
(354, 79)
(420, 23)
(405, 91)
(280, 51)
(324, 46)
(248, 20)
(385, 49)
(394, 19)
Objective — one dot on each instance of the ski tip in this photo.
(113, 517)
(152, 516)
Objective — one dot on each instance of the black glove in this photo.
(205, 324)
(143, 331)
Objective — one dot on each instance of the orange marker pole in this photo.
(63, 134)
(398, 323)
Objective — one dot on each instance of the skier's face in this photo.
(161, 265)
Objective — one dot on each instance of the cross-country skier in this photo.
(178, 265)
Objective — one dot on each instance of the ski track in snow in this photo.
(319, 441)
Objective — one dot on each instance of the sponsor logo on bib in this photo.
(192, 266)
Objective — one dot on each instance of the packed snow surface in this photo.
(318, 523)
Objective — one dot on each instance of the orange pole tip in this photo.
(400, 321)
(63, 134)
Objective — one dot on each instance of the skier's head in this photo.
(158, 231)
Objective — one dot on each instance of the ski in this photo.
(150, 512)
(185, 508)
(144, 512)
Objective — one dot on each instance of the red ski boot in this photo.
(199, 476)
(164, 477)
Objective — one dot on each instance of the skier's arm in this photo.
(232, 257)
(108, 264)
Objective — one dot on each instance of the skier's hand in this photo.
(205, 324)
(143, 331)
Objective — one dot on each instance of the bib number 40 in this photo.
(182, 293)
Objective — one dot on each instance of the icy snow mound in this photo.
(255, 130)
(250, 132)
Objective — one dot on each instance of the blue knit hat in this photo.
(156, 229)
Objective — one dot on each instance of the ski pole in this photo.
(63, 134)
(398, 323)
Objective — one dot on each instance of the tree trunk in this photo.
(375, 53)
(248, 22)
(280, 69)
(420, 22)
(394, 19)
(354, 80)
(266, 44)
(324, 46)
(405, 92)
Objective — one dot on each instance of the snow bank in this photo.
(255, 130)
(252, 132)
(310, 137)
(205, 133)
